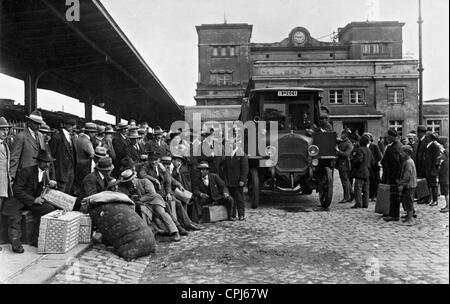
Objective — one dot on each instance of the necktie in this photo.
(37, 140)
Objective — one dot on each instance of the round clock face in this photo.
(299, 37)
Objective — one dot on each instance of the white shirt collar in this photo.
(40, 174)
(101, 175)
(32, 133)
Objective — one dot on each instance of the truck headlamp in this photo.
(313, 150)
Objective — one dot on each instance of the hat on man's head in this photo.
(101, 129)
(36, 117)
(127, 175)
(44, 128)
(143, 157)
(132, 128)
(69, 120)
(104, 164)
(90, 127)
(133, 135)
(392, 132)
(132, 122)
(112, 183)
(158, 130)
(4, 123)
(109, 130)
(166, 159)
(369, 135)
(203, 166)
(141, 131)
(178, 156)
(100, 152)
(408, 149)
(44, 156)
(364, 140)
(144, 124)
(126, 163)
(421, 128)
(443, 140)
(122, 125)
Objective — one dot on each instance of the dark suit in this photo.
(163, 177)
(134, 153)
(24, 149)
(65, 155)
(85, 154)
(361, 162)
(215, 190)
(93, 184)
(26, 188)
(161, 147)
(420, 157)
(235, 170)
(374, 179)
(431, 162)
(392, 166)
(121, 147)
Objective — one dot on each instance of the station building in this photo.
(367, 84)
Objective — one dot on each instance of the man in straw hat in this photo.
(98, 180)
(63, 147)
(157, 144)
(143, 191)
(85, 152)
(28, 187)
(5, 178)
(210, 188)
(26, 144)
(134, 149)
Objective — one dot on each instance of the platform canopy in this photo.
(91, 60)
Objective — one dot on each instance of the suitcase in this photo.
(383, 199)
(214, 213)
(422, 188)
(30, 227)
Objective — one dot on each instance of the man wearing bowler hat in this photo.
(210, 189)
(28, 187)
(63, 147)
(27, 144)
(392, 164)
(5, 178)
(85, 152)
(98, 180)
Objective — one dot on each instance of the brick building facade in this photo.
(367, 84)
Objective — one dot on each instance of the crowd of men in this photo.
(130, 158)
(421, 155)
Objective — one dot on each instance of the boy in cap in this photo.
(408, 184)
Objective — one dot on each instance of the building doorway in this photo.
(360, 126)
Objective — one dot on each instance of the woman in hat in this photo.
(27, 144)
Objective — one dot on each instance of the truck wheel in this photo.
(254, 188)
(326, 187)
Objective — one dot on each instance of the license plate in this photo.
(287, 93)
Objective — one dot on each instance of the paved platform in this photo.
(31, 267)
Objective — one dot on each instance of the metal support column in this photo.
(420, 21)
(30, 93)
(88, 110)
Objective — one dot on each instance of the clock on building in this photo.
(299, 37)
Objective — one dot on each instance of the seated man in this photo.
(143, 192)
(209, 188)
(28, 187)
(98, 180)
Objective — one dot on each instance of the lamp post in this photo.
(420, 65)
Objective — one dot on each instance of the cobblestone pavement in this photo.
(287, 241)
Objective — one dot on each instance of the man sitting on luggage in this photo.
(28, 187)
(211, 189)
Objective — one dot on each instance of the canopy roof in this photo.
(90, 60)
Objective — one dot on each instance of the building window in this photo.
(434, 126)
(374, 48)
(335, 96)
(356, 96)
(223, 51)
(221, 78)
(397, 125)
(215, 52)
(232, 51)
(395, 96)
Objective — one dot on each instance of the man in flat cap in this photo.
(392, 164)
(408, 183)
(63, 147)
(27, 144)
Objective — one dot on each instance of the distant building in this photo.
(367, 84)
(435, 114)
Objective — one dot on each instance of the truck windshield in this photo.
(290, 116)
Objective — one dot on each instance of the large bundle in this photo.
(113, 214)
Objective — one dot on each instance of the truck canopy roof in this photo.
(305, 89)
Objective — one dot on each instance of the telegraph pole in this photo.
(420, 65)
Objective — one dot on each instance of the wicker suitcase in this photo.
(85, 229)
(383, 199)
(58, 231)
(214, 213)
